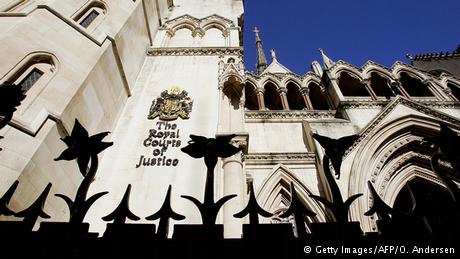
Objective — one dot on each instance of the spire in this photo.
(261, 59)
(326, 60)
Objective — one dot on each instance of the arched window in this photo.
(272, 97)
(413, 86)
(182, 38)
(91, 15)
(433, 202)
(275, 195)
(35, 71)
(455, 90)
(392, 157)
(251, 97)
(213, 37)
(351, 86)
(317, 98)
(295, 99)
(380, 86)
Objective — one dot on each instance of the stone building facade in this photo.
(108, 62)
(438, 62)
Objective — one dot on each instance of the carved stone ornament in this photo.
(171, 105)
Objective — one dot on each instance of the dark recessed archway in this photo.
(317, 98)
(414, 87)
(251, 102)
(379, 85)
(433, 210)
(455, 90)
(295, 99)
(272, 97)
(351, 86)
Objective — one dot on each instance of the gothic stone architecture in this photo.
(122, 66)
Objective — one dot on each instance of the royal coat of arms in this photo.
(171, 105)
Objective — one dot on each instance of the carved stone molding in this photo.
(305, 91)
(366, 104)
(371, 128)
(282, 90)
(438, 104)
(230, 70)
(198, 51)
(362, 104)
(256, 116)
(197, 23)
(279, 158)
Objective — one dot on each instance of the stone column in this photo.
(367, 84)
(226, 35)
(235, 183)
(397, 85)
(432, 88)
(260, 99)
(306, 98)
(283, 94)
(451, 96)
(219, 122)
(242, 104)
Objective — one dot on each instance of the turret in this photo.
(261, 59)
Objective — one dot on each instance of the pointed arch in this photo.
(213, 37)
(400, 67)
(180, 22)
(275, 191)
(371, 67)
(317, 98)
(389, 158)
(342, 66)
(350, 84)
(414, 86)
(91, 14)
(214, 24)
(291, 79)
(294, 96)
(182, 37)
(251, 100)
(445, 79)
(252, 82)
(311, 77)
(380, 84)
(216, 20)
(33, 72)
(186, 25)
(270, 79)
(272, 98)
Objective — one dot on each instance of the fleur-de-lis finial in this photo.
(210, 149)
(83, 148)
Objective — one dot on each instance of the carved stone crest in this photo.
(171, 105)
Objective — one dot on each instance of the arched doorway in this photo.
(433, 208)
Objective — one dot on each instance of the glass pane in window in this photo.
(89, 18)
(30, 79)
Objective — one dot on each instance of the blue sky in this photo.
(354, 31)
